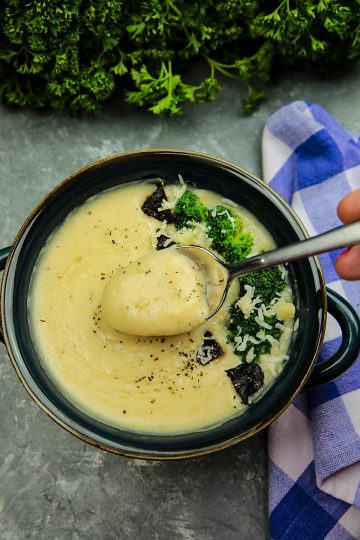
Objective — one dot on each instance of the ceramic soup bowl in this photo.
(311, 298)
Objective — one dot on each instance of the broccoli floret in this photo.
(267, 283)
(223, 223)
(189, 208)
(224, 226)
(237, 320)
(241, 326)
(236, 249)
(225, 230)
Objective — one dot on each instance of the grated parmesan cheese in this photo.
(155, 234)
(168, 205)
(204, 354)
(237, 341)
(247, 303)
(281, 326)
(243, 343)
(263, 323)
(271, 340)
(267, 311)
(261, 334)
(181, 180)
(225, 212)
(250, 355)
(284, 272)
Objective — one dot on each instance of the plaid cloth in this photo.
(314, 446)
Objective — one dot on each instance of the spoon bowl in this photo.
(219, 275)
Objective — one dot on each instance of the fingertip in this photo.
(347, 264)
(349, 207)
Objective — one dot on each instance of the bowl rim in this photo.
(34, 390)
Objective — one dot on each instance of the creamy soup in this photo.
(163, 384)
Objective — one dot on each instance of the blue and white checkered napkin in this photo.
(314, 446)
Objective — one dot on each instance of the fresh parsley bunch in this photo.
(75, 54)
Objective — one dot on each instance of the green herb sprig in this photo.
(76, 54)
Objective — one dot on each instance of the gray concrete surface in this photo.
(53, 486)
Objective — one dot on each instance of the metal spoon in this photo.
(219, 275)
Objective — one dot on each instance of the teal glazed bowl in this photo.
(204, 171)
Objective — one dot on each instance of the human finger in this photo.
(347, 264)
(349, 207)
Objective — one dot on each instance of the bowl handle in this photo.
(349, 348)
(4, 252)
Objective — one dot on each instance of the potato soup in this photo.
(151, 384)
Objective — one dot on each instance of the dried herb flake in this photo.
(153, 202)
(247, 379)
(210, 350)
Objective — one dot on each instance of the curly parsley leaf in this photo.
(75, 54)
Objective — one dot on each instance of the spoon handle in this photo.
(346, 235)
